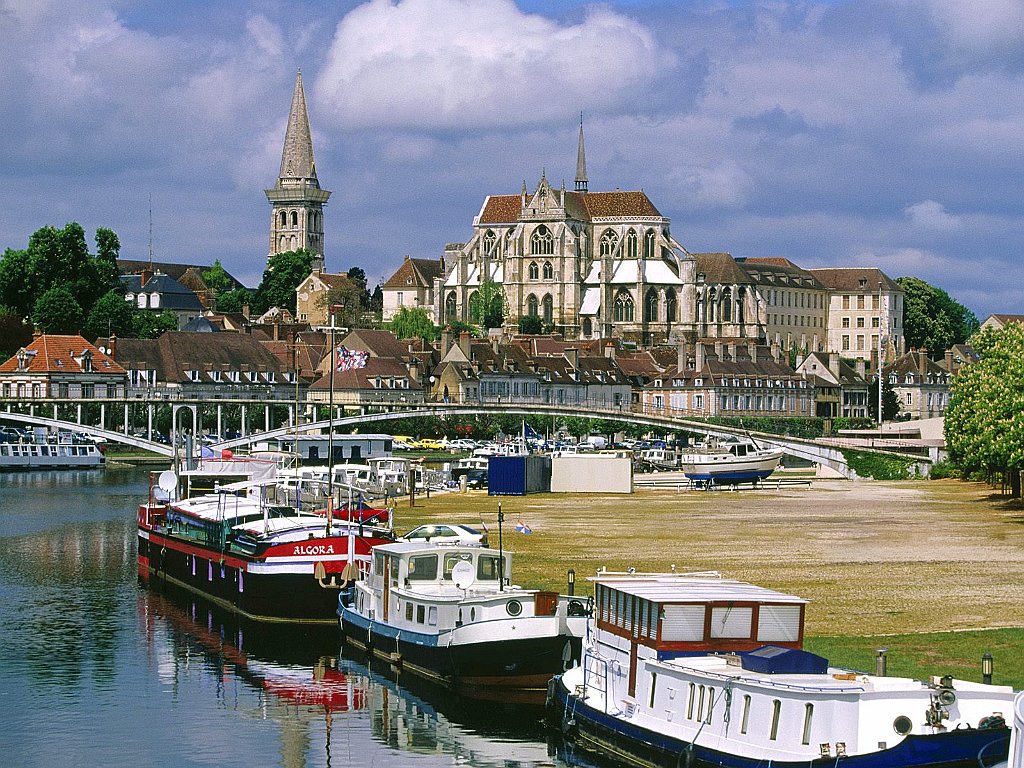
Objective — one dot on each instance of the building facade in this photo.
(413, 285)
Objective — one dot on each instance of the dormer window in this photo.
(698, 382)
(271, 377)
(215, 375)
(192, 374)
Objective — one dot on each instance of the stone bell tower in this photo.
(297, 201)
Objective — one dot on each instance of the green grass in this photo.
(921, 655)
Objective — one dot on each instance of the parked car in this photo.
(461, 534)
(462, 444)
(404, 443)
(432, 444)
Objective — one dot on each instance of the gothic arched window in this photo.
(631, 244)
(489, 239)
(534, 270)
(651, 306)
(284, 219)
(588, 328)
(712, 306)
(726, 312)
(670, 305)
(531, 305)
(542, 241)
(549, 308)
(450, 306)
(649, 244)
(623, 307)
(295, 219)
(608, 242)
(549, 271)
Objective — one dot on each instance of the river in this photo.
(98, 670)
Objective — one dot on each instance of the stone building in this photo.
(921, 384)
(66, 367)
(413, 285)
(297, 201)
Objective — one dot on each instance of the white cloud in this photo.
(978, 27)
(459, 64)
(931, 215)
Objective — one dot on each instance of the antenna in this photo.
(150, 231)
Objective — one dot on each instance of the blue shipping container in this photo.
(518, 475)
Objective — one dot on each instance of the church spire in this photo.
(297, 201)
(581, 162)
(297, 164)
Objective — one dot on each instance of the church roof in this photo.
(720, 268)
(855, 279)
(506, 209)
(422, 272)
(297, 162)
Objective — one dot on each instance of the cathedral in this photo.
(297, 201)
(591, 265)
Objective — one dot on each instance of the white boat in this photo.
(728, 461)
(697, 670)
(660, 458)
(448, 613)
(50, 455)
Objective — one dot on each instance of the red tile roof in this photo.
(505, 209)
(62, 354)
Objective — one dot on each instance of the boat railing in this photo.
(602, 676)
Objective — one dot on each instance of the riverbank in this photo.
(940, 561)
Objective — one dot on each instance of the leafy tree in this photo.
(530, 324)
(110, 314)
(411, 323)
(15, 280)
(217, 279)
(985, 419)
(108, 248)
(347, 301)
(377, 299)
(150, 325)
(487, 307)
(282, 276)
(235, 301)
(890, 401)
(56, 311)
(15, 333)
(932, 319)
(456, 327)
(358, 276)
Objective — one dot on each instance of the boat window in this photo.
(432, 616)
(487, 568)
(711, 703)
(683, 623)
(730, 621)
(745, 720)
(394, 569)
(778, 623)
(378, 564)
(408, 611)
(700, 703)
(420, 614)
(454, 558)
(654, 686)
(423, 568)
(808, 715)
(689, 705)
(776, 709)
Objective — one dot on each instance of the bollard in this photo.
(572, 582)
(986, 668)
(880, 661)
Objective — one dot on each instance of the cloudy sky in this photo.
(835, 133)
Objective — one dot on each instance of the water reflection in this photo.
(304, 684)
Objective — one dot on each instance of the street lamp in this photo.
(986, 668)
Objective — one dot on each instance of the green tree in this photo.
(347, 302)
(358, 276)
(235, 301)
(15, 281)
(411, 323)
(15, 332)
(377, 299)
(282, 276)
(985, 419)
(530, 324)
(487, 307)
(217, 279)
(890, 400)
(108, 248)
(932, 319)
(110, 314)
(150, 325)
(57, 311)
(456, 327)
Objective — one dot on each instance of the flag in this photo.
(529, 432)
(348, 359)
(522, 527)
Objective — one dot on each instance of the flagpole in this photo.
(333, 355)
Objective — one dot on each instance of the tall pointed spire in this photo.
(581, 162)
(297, 201)
(297, 164)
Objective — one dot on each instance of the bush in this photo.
(942, 470)
(878, 466)
(807, 428)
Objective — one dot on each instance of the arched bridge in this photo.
(809, 450)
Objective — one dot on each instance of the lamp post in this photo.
(986, 668)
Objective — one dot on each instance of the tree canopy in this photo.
(487, 305)
(985, 419)
(57, 311)
(412, 323)
(282, 276)
(932, 319)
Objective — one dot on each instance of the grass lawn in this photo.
(934, 571)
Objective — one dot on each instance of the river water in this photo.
(96, 670)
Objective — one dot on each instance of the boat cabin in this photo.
(696, 613)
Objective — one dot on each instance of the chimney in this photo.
(573, 356)
(860, 366)
(698, 364)
(949, 361)
(922, 360)
(245, 311)
(414, 369)
(775, 349)
(752, 351)
(731, 347)
(464, 343)
(682, 353)
(144, 277)
(718, 350)
(446, 341)
(833, 363)
(609, 350)
(112, 346)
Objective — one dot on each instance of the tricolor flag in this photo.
(348, 359)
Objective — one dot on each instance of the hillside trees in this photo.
(932, 319)
(985, 418)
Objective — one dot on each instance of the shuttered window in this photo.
(683, 623)
(778, 623)
(729, 621)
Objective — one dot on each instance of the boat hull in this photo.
(730, 470)
(516, 664)
(603, 734)
(256, 588)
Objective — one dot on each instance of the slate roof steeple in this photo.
(297, 165)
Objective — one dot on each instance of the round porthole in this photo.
(902, 725)
(514, 607)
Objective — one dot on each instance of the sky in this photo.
(834, 133)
